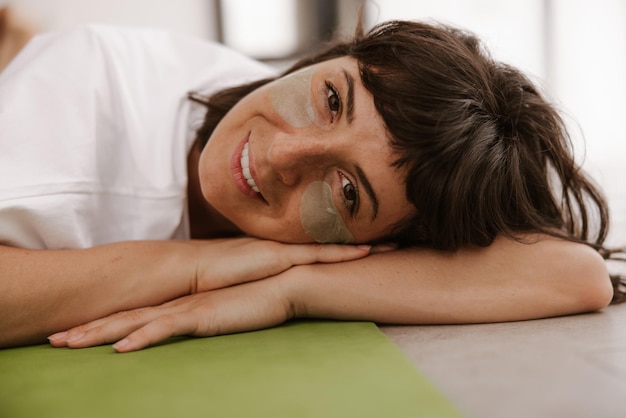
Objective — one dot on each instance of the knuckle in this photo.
(139, 336)
(81, 329)
(96, 335)
(165, 326)
(135, 315)
(119, 315)
(167, 320)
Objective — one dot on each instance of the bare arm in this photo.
(505, 282)
(45, 291)
(42, 291)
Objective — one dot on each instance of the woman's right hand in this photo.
(226, 262)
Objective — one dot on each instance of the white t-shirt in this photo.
(95, 127)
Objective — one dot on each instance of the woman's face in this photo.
(306, 158)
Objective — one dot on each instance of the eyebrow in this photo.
(350, 98)
(369, 190)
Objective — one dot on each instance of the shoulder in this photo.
(143, 52)
(196, 63)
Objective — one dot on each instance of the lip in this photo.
(237, 174)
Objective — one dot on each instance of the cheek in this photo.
(319, 216)
(291, 98)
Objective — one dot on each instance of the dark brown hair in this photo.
(485, 153)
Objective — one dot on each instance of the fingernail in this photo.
(120, 344)
(58, 336)
(75, 337)
(364, 247)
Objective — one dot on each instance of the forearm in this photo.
(43, 291)
(504, 282)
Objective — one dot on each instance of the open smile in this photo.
(245, 168)
(242, 173)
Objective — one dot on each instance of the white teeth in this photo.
(245, 169)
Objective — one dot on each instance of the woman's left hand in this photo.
(244, 307)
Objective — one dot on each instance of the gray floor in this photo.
(566, 367)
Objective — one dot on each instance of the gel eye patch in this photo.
(319, 216)
(291, 98)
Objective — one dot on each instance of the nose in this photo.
(294, 156)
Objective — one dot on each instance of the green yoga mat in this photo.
(301, 369)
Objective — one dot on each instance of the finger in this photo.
(334, 253)
(323, 253)
(259, 259)
(384, 248)
(104, 330)
(234, 309)
(318, 253)
(112, 329)
(266, 259)
(161, 328)
(134, 313)
(60, 339)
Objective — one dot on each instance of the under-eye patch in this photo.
(291, 98)
(320, 218)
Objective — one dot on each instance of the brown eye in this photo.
(333, 101)
(349, 192)
(334, 104)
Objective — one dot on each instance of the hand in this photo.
(223, 263)
(245, 307)
(231, 308)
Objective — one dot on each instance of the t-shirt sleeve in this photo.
(94, 133)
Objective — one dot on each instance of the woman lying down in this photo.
(153, 185)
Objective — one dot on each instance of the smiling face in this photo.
(306, 158)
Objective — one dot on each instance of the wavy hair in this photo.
(485, 153)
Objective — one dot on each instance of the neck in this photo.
(204, 221)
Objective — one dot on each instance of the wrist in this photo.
(181, 263)
(292, 287)
(162, 270)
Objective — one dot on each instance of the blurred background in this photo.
(574, 49)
